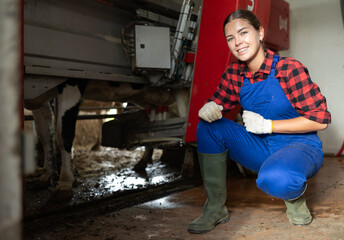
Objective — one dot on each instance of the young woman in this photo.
(283, 110)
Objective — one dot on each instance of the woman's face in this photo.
(243, 39)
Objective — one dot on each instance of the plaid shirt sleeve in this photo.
(227, 92)
(303, 94)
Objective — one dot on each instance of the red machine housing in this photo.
(213, 55)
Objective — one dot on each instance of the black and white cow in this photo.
(68, 99)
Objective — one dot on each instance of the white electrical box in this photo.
(152, 47)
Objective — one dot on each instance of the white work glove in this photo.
(255, 123)
(210, 112)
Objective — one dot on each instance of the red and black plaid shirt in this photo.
(303, 94)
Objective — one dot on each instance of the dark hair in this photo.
(243, 14)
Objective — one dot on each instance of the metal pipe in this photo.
(82, 117)
(176, 47)
(86, 108)
(169, 140)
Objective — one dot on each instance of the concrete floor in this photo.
(254, 215)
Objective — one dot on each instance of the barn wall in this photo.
(316, 39)
(10, 180)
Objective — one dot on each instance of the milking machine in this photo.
(171, 53)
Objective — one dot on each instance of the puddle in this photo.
(124, 180)
(162, 203)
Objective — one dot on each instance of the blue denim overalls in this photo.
(284, 162)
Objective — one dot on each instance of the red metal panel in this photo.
(277, 34)
(211, 58)
(213, 55)
(261, 8)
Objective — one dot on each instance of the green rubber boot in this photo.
(298, 212)
(213, 169)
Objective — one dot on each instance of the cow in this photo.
(69, 95)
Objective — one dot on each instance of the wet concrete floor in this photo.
(99, 175)
(254, 215)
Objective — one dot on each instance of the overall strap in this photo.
(246, 81)
(272, 73)
(273, 65)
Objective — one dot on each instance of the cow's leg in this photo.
(182, 99)
(43, 118)
(146, 158)
(68, 102)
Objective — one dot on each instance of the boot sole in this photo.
(301, 224)
(221, 221)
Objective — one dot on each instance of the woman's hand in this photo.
(255, 123)
(210, 112)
